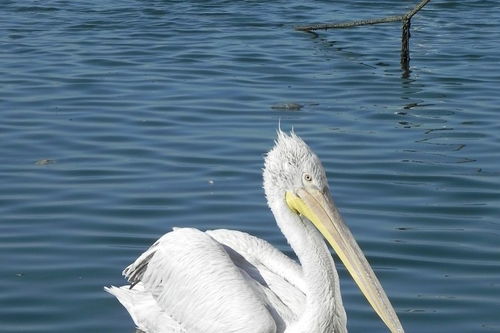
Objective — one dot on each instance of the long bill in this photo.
(318, 207)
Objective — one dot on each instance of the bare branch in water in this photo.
(397, 18)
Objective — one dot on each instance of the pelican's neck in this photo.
(323, 299)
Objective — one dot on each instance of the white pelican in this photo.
(223, 281)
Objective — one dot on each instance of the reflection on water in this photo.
(433, 120)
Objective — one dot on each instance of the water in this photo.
(120, 120)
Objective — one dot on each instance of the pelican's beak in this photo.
(318, 207)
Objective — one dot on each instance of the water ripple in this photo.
(120, 121)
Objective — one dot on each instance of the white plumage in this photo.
(224, 281)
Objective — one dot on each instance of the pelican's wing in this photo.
(189, 278)
(279, 276)
(259, 252)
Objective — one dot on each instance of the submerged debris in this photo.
(287, 106)
(45, 162)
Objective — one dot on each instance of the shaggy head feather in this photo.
(287, 165)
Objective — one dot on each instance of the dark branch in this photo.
(415, 10)
(349, 24)
(405, 48)
(398, 18)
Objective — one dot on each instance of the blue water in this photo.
(122, 119)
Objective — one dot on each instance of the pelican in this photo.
(222, 281)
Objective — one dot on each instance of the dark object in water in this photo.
(287, 106)
(45, 162)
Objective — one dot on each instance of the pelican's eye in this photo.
(308, 178)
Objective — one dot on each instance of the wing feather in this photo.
(280, 276)
(144, 310)
(194, 281)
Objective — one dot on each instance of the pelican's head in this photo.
(294, 179)
(290, 165)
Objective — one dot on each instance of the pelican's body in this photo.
(223, 281)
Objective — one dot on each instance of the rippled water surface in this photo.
(122, 119)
